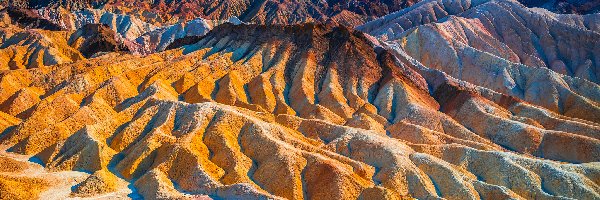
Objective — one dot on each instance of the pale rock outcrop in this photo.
(158, 40)
(547, 59)
(128, 26)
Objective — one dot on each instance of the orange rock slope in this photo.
(285, 112)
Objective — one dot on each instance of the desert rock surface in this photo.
(446, 99)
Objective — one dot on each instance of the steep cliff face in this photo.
(297, 112)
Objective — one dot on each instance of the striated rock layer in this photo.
(546, 59)
(296, 112)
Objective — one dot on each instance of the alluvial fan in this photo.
(446, 99)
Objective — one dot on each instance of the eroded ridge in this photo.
(549, 60)
(297, 112)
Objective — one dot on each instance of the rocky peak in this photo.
(29, 19)
(93, 38)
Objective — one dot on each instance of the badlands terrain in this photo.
(227, 99)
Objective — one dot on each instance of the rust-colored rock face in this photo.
(305, 111)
